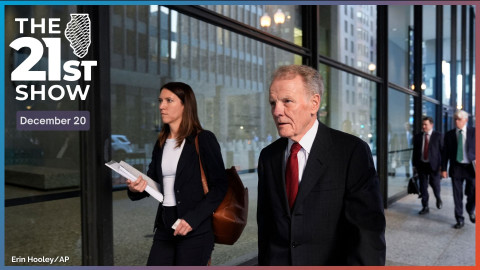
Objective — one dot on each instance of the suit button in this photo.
(294, 244)
(178, 191)
(178, 202)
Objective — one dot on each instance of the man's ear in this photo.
(315, 103)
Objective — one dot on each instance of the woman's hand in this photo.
(182, 228)
(137, 186)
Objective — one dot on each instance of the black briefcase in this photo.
(414, 186)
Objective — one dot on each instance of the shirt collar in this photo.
(464, 129)
(307, 140)
(430, 132)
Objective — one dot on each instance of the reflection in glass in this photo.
(446, 62)
(400, 45)
(460, 91)
(47, 229)
(400, 145)
(429, 51)
(39, 162)
(349, 104)
(348, 34)
(284, 21)
(429, 109)
(469, 64)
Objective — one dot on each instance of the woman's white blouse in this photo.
(170, 158)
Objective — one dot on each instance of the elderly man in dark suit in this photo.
(426, 160)
(319, 201)
(460, 151)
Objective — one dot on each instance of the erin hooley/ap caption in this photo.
(43, 259)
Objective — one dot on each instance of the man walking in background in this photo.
(460, 151)
(426, 160)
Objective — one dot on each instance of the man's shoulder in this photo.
(275, 146)
(342, 140)
(341, 136)
(437, 133)
(451, 132)
(418, 135)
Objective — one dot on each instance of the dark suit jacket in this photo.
(450, 151)
(435, 148)
(337, 218)
(192, 205)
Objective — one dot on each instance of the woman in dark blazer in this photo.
(175, 166)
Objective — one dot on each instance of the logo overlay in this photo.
(40, 73)
(78, 33)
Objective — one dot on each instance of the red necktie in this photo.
(425, 148)
(291, 174)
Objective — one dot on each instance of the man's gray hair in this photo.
(461, 114)
(312, 80)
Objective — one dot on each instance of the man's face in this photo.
(427, 126)
(293, 109)
(460, 122)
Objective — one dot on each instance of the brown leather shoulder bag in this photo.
(230, 218)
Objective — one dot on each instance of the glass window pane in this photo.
(400, 147)
(230, 75)
(350, 108)
(47, 229)
(460, 73)
(429, 109)
(400, 45)
(284, 21)
(429, 51)
(468, 61)
(40, 163)
(446, 60)
(359, 45)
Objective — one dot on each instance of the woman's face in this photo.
(171, 107)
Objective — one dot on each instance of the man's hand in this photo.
(182, 229)
(137, 186)
(444, 174)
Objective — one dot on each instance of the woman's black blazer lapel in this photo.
(188, 156)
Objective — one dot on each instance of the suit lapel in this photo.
(455, 143)
(315, 167)
(186, 157)
(432, 139)
(469, 138)
(470, 143)
(158, 166)
(278, 175)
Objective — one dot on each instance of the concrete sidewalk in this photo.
(430, 239)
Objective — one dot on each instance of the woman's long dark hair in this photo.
(190, 123)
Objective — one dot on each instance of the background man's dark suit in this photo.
(430, 169)
(337, 218)
(459, 172)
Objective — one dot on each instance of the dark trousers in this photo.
(179, 250)
(426, 176)
(463, 173)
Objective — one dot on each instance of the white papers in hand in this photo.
(129, 172)
(175, 225)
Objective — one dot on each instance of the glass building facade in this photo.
(384, 68)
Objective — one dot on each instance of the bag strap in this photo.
(204, 178)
